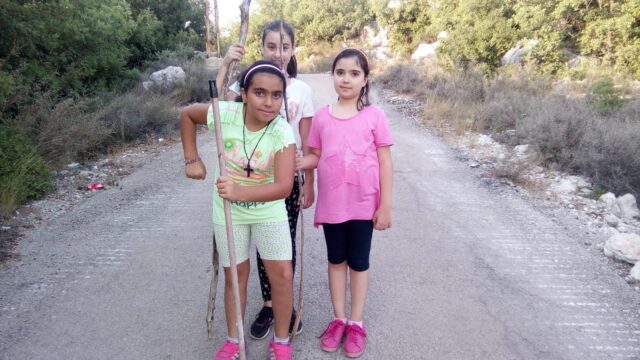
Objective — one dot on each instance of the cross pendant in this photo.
(248, 169)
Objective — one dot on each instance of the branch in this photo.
(244, 30)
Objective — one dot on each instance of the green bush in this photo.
(605, 97)
(24, 175)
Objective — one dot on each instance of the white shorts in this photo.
(273, 241)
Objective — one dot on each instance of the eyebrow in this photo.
(267, 91)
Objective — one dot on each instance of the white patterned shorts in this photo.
(273, 241)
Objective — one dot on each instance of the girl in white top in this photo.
(300, 108)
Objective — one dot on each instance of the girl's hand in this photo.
(235, 53)
(306, 162)
(309, 194)
(196, 171)
(227, 188)
(382, 218)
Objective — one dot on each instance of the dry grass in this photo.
(582, 127)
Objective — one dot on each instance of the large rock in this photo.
(611, 203)
(634, 274)
(628, 206)
(625, 247)
(166, 79)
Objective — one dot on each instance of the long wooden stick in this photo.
(244, 28)
(213, 289)
(227, 217)
(296, 323)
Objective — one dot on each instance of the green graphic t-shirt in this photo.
(275, 137)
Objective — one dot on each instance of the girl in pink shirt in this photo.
(350, 145)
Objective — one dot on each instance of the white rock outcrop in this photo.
(628, 206)
(625, 247)
(166, 79)
(611, 203)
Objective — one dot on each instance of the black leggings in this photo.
(293, 209)
(349, 241)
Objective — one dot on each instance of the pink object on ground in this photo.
(95, 186)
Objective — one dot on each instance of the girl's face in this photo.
(271, 49)
(348, 78)
(263, 98)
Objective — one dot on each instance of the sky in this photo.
(229, 10)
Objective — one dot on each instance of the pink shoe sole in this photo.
(328, 349)
(353, 355)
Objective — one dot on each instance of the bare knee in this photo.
(280, 272)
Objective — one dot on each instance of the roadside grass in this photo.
(589, 127)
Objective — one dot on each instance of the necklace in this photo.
(248, 169)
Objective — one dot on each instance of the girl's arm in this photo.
(279, 189)
(235, 53)
(309, 161)
(309, 176)
(190, 116)
(382, 216)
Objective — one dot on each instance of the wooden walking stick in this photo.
(213, 91)
(300, 201)
(244, 28)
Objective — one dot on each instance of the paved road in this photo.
(467, 272)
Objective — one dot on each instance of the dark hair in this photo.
(244, 81)
(274, 26)
(363, 61)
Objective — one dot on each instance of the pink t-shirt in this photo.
(348, 170)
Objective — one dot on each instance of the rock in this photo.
(625, 247)
(612, 220)
(635, 272)
(628, 206)
(516, 54)
(609, 199)
(576, 61)
(166, 79)
(564, 186)
(425, 51)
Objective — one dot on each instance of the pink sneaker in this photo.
(332, 337)
(355, 343)
(228, 351)
(279, 351)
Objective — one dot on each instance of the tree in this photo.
(408, 24)
(479, 31)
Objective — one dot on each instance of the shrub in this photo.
(403, 78)
(131, 115)
(24, 174)
(196, 87)
(66, 130)
(605, 97)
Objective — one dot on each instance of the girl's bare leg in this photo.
(338, 288)
(229, 303)
(280, 274)
(359, 284)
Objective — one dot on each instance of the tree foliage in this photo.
(408, 24)
(82, 47)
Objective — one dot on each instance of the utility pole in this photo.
(207, 26)
(217, 17)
